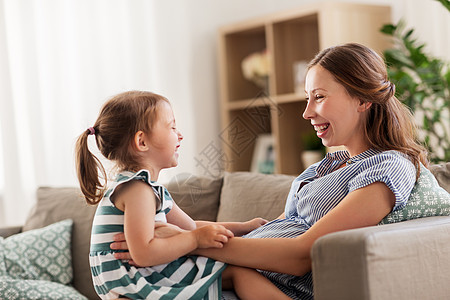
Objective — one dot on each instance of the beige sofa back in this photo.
(236, 196)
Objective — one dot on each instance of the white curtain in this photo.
(60, 60)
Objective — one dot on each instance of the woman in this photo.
(351, 103)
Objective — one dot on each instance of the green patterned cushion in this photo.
(39, 254)
(427, 199)
(12, 289)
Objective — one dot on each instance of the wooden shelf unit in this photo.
(291, 36)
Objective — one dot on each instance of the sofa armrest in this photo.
(407, 260)
(8, 231)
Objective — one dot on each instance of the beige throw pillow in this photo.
(56, 204)
(249, 195)
(198, 196)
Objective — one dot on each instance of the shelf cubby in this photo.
(289, 37)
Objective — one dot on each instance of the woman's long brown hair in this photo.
(389, 124)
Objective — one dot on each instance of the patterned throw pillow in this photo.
(40, 254)
(427, 199)
(12, 289)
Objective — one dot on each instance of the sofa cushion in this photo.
(442, 174)
(427, 199)
(248, 195)
(56, 204)
(40, 254)
(198, 196)
(13, 289)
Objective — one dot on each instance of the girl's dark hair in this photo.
(119, 120)
(389, 124)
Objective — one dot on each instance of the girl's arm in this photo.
(139, 205)
(178, 217)
(363, 207)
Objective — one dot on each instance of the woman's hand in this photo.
(212, 236)
(162, 230)
(121, 244)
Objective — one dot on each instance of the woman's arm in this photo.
(363, 207)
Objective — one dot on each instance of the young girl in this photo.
(137, 131)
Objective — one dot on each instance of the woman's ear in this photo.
(140, 141)
(363, 106)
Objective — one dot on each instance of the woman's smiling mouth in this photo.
(321, 127)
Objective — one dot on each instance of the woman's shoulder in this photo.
(389, 162)
(392, 157)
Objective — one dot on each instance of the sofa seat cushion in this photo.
(248, 195)
(427, 199)
(13, 289)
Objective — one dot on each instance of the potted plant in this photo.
(423, 84)
(313, 149)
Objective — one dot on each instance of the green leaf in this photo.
(408, 34)
(426, 124)
(427, 141)
(388, 29)
(422, 83)
(398, 58)
(436, 116)
(447, 77)
(446, 4)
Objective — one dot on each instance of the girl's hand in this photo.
(255, 223)
(212, 236)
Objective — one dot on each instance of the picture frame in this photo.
(300, 69)
(263, 160)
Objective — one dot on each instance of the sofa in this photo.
(404, 260)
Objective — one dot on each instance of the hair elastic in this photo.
(91, 130)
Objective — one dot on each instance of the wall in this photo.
(201, 20)
(169, 47)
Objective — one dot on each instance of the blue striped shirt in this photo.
(322, 187)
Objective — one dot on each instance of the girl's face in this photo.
(164, 139)
(336, 116)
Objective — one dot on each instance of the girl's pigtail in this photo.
(88, 166)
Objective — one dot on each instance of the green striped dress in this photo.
(188, 277)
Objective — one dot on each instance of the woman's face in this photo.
(336, 116)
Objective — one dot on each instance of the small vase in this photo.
(310, 157)
(262, 82)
